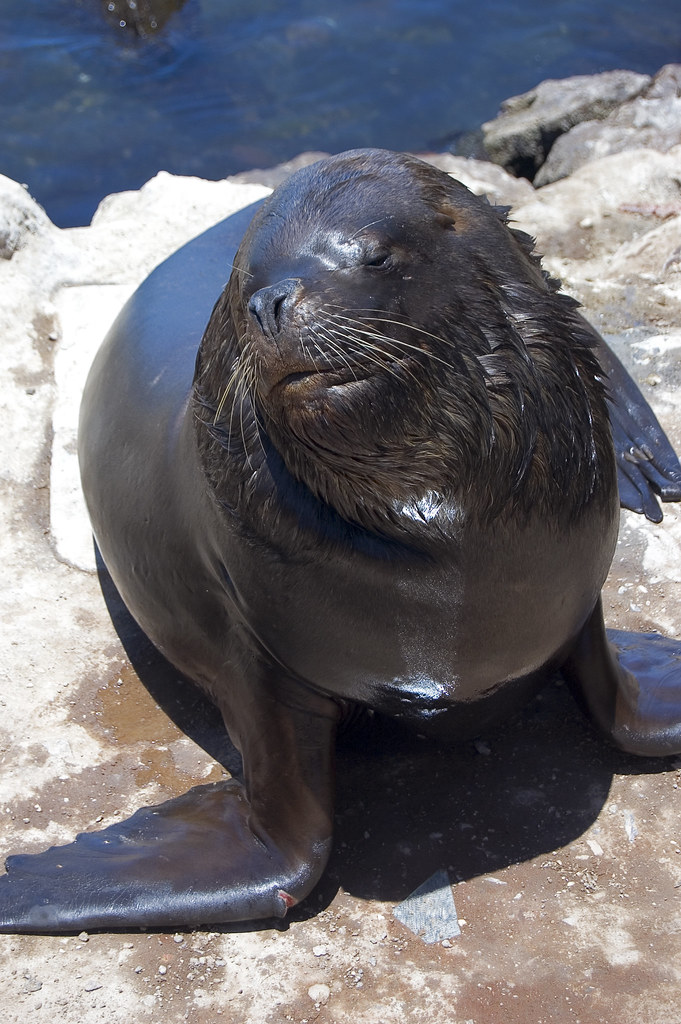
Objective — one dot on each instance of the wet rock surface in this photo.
(563, 853)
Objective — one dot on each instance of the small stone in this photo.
(178, 938)
(92, 985)
(83, 937)
(595, 847)
(320, 950)
(319, 993)
(630, 826)
(429, 911)
(163, 969)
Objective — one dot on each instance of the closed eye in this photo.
(377, 259)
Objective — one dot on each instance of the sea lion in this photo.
(387, 479)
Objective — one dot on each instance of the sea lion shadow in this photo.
(408, 806)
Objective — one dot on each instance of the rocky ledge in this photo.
(82, 741)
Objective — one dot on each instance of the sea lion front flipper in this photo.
(631, 686)
(210, 856)
(647, 466)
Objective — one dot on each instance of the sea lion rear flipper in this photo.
(209, 856)
(631, 686)
(647, 466)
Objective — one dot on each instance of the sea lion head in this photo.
(399, 346)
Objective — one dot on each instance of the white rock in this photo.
(21, 218)
(319, 993)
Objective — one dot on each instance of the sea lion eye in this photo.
(376, 258)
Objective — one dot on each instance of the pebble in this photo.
(319, 993)
(83, 937)
(630, 826)
(92, 985)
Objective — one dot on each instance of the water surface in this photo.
(88, 107)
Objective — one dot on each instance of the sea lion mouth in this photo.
(296, 378)
(302, 384)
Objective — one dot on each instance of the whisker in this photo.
(227, 389)
(371, 352)
(246, 390)
(330, 340)
(239, 270)
(363, 327)
(365, 226)
(383, 319)
(308, 354)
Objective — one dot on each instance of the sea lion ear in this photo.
(446, 218)
(450, 213)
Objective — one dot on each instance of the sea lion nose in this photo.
(270, 306)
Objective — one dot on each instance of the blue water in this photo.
(88, 108)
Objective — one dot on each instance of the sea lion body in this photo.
(301, 579)
(386, 479)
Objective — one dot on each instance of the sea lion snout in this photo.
(276, 330)
(271, 307)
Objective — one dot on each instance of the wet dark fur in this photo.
(493, 403)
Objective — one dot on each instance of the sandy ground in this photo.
(564, 854)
